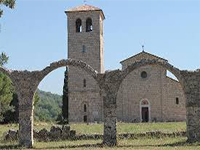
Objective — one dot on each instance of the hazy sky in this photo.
(34, 34)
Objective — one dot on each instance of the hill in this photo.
(49, 107)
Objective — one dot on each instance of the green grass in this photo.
(132, 144)
(139, 144)
(121, 127)
(131, 127)
(136, 144)
(87, 129)
(178, 143)
(145, 127)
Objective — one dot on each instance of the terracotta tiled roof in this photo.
(84, 8)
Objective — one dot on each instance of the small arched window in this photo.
(89, 25)
(83, 49)
(78, 25)
(177, 100)
(144, 74)
(85, 108)
(84, 83)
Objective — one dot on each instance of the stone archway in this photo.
(26, 83)
(190, 82)
(153, 86)
(146, 62)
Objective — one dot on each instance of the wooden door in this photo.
(145, 114)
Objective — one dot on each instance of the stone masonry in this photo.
(163, 94)
(158, 89)
(86, 46)
(26, 83)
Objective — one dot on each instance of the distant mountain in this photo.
(49, 107)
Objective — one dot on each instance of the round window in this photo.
(144, 74)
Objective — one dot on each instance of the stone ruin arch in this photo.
(69, 62)
(145, 62)
(26, 83)
(155, 62)
(190, 82)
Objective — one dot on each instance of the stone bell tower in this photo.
(85, 42)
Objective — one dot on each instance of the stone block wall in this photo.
(160, 90)
(171, 110)
(92, 55)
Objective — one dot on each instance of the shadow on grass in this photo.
(182, 143)
(99, 145)
(177, 144)
(10, 146)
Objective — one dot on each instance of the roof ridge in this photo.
(145, 53)
(84, 7)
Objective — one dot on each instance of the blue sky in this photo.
(34, 34)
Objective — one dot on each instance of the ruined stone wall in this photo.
(191, 87)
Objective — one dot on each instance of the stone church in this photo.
(146, 95)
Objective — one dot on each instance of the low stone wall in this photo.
(152, 134)
(56, 133)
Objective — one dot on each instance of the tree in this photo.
(6, 89)
(65, 98)
(7, 3)
(36, 98)
(12, 115)
(3, 59)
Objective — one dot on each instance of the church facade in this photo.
(145, 95)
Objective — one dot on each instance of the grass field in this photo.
(178, 143)
(98, 128)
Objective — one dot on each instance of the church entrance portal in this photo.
(145, 114)
(145, 111)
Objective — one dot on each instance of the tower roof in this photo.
(85, 8)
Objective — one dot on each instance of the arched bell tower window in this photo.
(89, 26)
(78, 25)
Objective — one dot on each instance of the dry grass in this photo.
(178, 143)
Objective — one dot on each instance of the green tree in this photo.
(36, 98)
(6, 89)
(3, 59)
(48, 108)
(12, 115)
(7, 3)
(65, 99)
